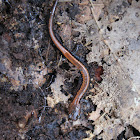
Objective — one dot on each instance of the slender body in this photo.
(74, 109)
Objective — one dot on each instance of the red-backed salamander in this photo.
(74, 109)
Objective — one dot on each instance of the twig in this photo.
(137, 137)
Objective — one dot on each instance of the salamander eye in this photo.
(74, 112)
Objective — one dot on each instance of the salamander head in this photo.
(74, 111)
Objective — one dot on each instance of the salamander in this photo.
(74, 108)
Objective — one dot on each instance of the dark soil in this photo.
(24, 111)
